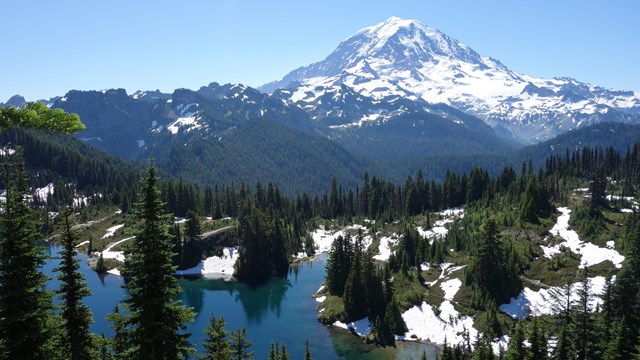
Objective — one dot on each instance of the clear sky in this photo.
(50, 47)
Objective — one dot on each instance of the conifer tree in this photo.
(538, 342)
(307, 351)
(77, 341)
(355, 303)
(216, 345)
(100, 266)
(562, 351)
(582, 329)
(284, 355)
(339, 265)
(25, 304)
(491, 262)
(483, 350)
(621, 344)
(240, 345)
(154, 319)
(516, 350)
(274, 351)
(192, 244)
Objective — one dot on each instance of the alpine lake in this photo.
(281, 310)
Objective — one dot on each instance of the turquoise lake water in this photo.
(281, 310)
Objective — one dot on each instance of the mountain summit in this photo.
(405, 58)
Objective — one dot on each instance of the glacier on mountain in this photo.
(405, 58)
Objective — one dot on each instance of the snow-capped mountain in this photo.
(405, 59)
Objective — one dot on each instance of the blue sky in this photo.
(50, 47)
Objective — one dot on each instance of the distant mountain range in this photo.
(404, 59)
(391, 99)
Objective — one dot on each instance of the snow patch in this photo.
(439, 231)
(6, 151)
(591, 254)
(112, 230)
(424, 324)
(541, 302)
(114, 271)
(42, 192)
(384, 248)
(215, 266)
(118, 255)
(189, 123)
(323, 239)
(361, 327)
(450, 288)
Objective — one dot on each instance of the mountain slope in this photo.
(262, 151)
(405, 58)
(619, 136)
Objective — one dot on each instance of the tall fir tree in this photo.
(516, 350)
(216, 345)
(538, 341)
(307, 351)
(77, 341)
(192, 248)
(25, 304)
(153, 318)
(240, 345)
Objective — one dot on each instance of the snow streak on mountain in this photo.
(404, 59)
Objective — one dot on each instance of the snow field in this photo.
(112, 230)
(439, 230)
(591, 254)
(44, 191)
(324, 238)
(215, 266)
(385, 247)
(424, 324)
(361, 327)
(118, 255)
(541, 302)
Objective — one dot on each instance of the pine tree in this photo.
(121, 341)
(154, 319)
(516, 350)
(192, 244)
(25, 304)
(582, 329)
(90, 246)
(77, 341)
(240, 345)
(284, 355)
(538, 342)
(355, 303)
(339, 265)
(307, 351)
(491, 262)
(216, 345)
(621, 344)
(274, 351)
(483, 350)
(100, 266)
(563, 346)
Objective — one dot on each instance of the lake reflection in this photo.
(281, 310)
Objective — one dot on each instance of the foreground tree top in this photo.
(36, 115)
